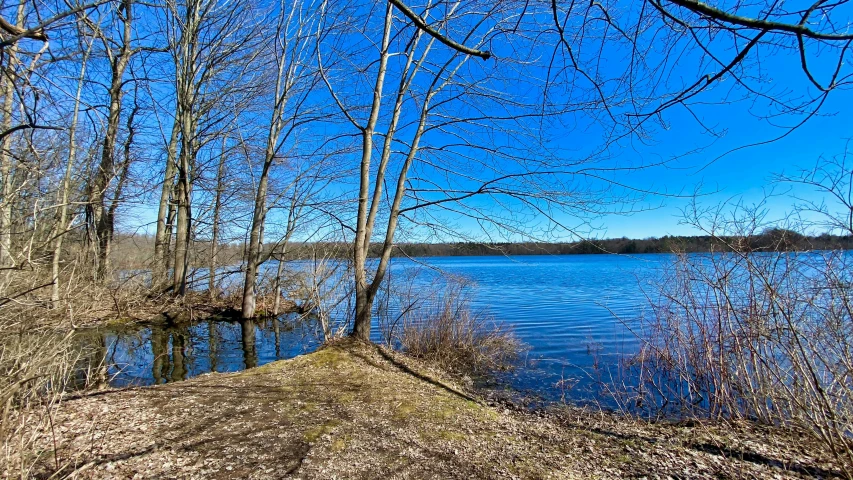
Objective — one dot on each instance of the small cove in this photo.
(575, 312)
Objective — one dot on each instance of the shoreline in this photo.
(357, 410)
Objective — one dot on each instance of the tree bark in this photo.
(254, 248)
(102, 221)
(187, 87)
(182, 229)
(363, 298)
(165, 212)
(184, 210)
(7, 187)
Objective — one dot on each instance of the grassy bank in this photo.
(352, 410)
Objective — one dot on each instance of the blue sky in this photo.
(742, 176)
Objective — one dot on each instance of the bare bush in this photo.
(753, 334)
(36, 366)
(443, 330)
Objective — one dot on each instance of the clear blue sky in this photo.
(743, 175)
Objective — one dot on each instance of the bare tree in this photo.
(485, 142)
(217, 218)
(295, 77)
(20, 119)
(446, 119)
(9, 98)
(63, 224)
(118, 52)
(832, 178)
(752, 330)
(165, 211)
(211, 45)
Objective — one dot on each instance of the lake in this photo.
(574, 311)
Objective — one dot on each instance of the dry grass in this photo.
(40, 359)
(447, 333)
(37, 365)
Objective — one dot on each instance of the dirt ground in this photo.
(352, 410)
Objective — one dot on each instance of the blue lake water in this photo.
(575, 312)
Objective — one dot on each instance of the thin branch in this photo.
(420, 23)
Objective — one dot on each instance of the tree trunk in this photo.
(184, 210)
(214, 241)
(277, 290)
(363, 299)
(182, 235)
(165, 213)
(62, 223)
(186, 116)
(253, 250)
(363, 311)
(368, 293)
(101, 219)
(8, 80)
(110, 215)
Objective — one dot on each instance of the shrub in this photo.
(761, 336)
(447, 333)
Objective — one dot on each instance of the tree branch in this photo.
(420, 23)
(754, 23)
(20, 32)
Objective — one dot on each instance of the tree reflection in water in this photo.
(247, 337)
(156, 354)
(179, 350)
(160, 352)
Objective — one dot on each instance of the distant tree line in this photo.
(771, 240)
(666, 244)
(774, 240)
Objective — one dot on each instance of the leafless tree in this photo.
(211, 46)
(832, 178)
(451, 139)
(295, 77)
(752, 331)
(118, 52)
(448, 121)
(63, 223)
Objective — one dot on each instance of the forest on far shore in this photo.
(773, 240)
